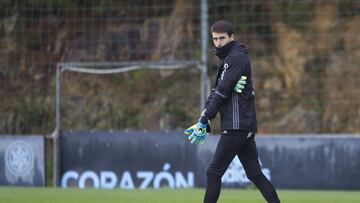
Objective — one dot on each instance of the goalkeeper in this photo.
(232, 96)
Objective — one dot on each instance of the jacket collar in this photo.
(223, 51)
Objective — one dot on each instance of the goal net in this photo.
(144, 96)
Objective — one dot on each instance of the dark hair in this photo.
(223, 26)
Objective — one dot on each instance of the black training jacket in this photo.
(237, 110)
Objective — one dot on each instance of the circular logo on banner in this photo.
(19, 158)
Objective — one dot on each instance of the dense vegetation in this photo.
(305, 57)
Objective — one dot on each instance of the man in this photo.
(232, 96)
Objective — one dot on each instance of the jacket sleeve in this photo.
(233, 69)
(208, 100)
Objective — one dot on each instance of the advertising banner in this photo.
(127, 160)
(136, 159)
(312, 161)
(22, 160)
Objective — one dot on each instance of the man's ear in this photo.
(232, 37)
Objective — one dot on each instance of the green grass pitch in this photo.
(57, 195)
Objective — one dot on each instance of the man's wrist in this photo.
(204, 120)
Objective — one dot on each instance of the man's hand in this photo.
(240, 85)
(197, 133)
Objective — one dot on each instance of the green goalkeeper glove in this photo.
(241, 84)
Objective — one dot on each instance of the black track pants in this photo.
(242, 144)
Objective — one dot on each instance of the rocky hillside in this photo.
(305, 58)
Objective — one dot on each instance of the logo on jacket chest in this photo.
(225, 67)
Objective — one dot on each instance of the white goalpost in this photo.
(103, 68)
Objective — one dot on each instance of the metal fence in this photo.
(305, 58)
